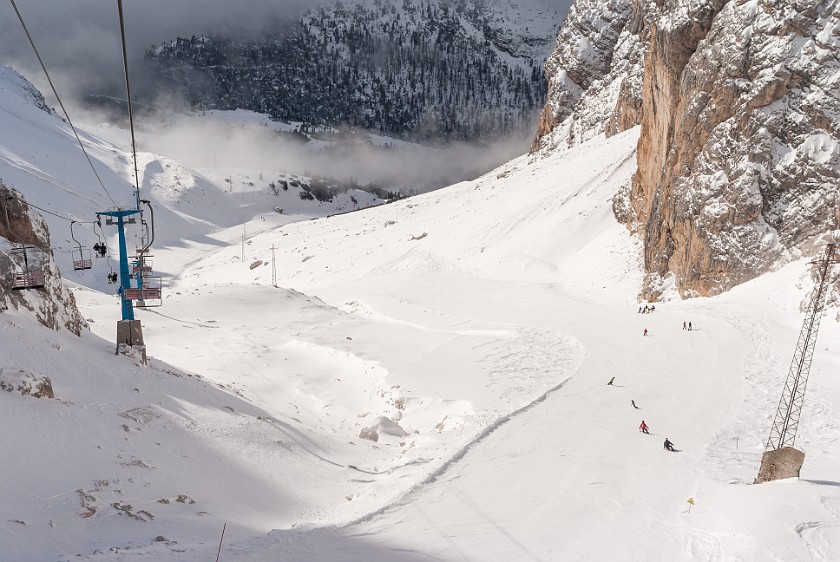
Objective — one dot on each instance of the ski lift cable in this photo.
(58, 216)
(60, 103)
(128, 102)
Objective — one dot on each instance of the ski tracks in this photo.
(736, 451)
(735, 454)
(820, 537)
(529, 362)
(531, 351)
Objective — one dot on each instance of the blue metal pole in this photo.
(125, 277)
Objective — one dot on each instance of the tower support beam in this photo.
(781, 460)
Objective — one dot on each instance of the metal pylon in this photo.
(786, 422)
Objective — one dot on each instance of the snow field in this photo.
(483, 321)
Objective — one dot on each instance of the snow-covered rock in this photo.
(53, 305)
(739, 150)
(25, 383)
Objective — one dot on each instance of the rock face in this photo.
(595, 73)
(779, 464)
(739, 148)
(53, 306)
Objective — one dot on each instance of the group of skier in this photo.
(644, 428)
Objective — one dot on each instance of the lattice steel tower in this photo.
(786, 422)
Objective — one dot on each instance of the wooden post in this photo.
(220, 542)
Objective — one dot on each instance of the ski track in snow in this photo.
(571, 362)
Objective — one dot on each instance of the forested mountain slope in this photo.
(465, 70)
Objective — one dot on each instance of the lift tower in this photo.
(780, 459)
(129, 331)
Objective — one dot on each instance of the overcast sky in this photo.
(79, 39)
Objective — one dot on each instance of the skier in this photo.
(612, 380)
(645, 332)
(644, 428)
(668, 445)
(683, 325)
(689, 326)
(633, 403)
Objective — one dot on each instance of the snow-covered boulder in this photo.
(26, 383)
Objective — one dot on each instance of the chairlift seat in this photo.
(34, 279)
(30, 274)
(151, 291)
(81, 259)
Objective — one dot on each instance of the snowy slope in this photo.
(40, 157)
(534, 457)
(474, 328)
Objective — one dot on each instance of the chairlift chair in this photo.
(143, 268)
(81, 255)
(111, 276)
(29, 275)
(100, 247)
(148, 296)
(27, 260)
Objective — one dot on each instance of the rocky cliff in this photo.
(595, 73)
(739, 152)
(54, 306)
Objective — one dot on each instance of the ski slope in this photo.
(475, 329)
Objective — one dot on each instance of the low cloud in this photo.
(80, 44)
(212, 142)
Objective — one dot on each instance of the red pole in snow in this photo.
(220, 542)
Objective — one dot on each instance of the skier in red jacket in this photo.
(644, 427)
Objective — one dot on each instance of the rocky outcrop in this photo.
(54, 306)
(26, 383)
(779, 464)
(595, 73)
(739, 150)
(738, 155)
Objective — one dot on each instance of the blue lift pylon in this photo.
(129, 330)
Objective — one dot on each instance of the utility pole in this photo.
(273, 268)
(780, 459)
